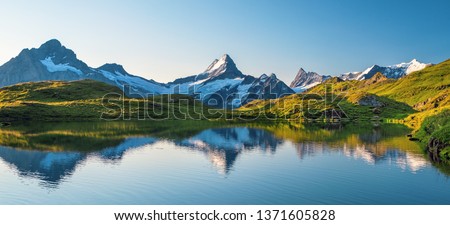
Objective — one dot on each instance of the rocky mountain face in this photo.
(49, 62)
(304, 80)
(222, 84)
(53, 61)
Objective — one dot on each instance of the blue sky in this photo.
(164, 40)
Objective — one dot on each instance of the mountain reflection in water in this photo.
(222, 144)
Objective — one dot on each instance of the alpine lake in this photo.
(201, 162)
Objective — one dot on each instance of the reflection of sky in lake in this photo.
(249, 165)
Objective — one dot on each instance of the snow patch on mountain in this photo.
(365, 72)
(242, 92)
(394, 71)
(217, 64)
(214, 86)
(306, 87)
(413, 66)
(52, 67)
(134, 82)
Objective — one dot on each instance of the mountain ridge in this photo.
(305, 80)
(220, 84)
(216, 86)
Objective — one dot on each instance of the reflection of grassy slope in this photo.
(297, 132)
(94, 136)
(413, 98)
(435, 132)
(85, 100)
(376, 140)
(84, 136)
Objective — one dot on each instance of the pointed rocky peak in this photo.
(304, 78)
(269, 87)
(226, 57)
(378, 77)
(301, 71)
(368, 69)
(263, 76)
(220, 63)
(223, 65)
(113, 68)
(301, 74)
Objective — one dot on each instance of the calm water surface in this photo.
(214, 163)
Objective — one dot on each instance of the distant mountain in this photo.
(53, 61)
(264, 87)
(132, 85)
(49, 62)
(394, 71)
(304, 80)
(222, 84)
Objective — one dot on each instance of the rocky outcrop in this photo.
(370, 100)
(377, 78)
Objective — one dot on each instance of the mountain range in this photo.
(221, 85)
(305, 80)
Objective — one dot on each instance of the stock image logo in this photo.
(324, 104)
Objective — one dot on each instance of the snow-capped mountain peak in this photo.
(223, 65)
(394, 71)
(218, 63)
(368, 69)
(412, 66)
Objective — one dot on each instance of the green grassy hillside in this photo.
(91, 100)
(424, 90)
(421, 100)
(334, 99)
